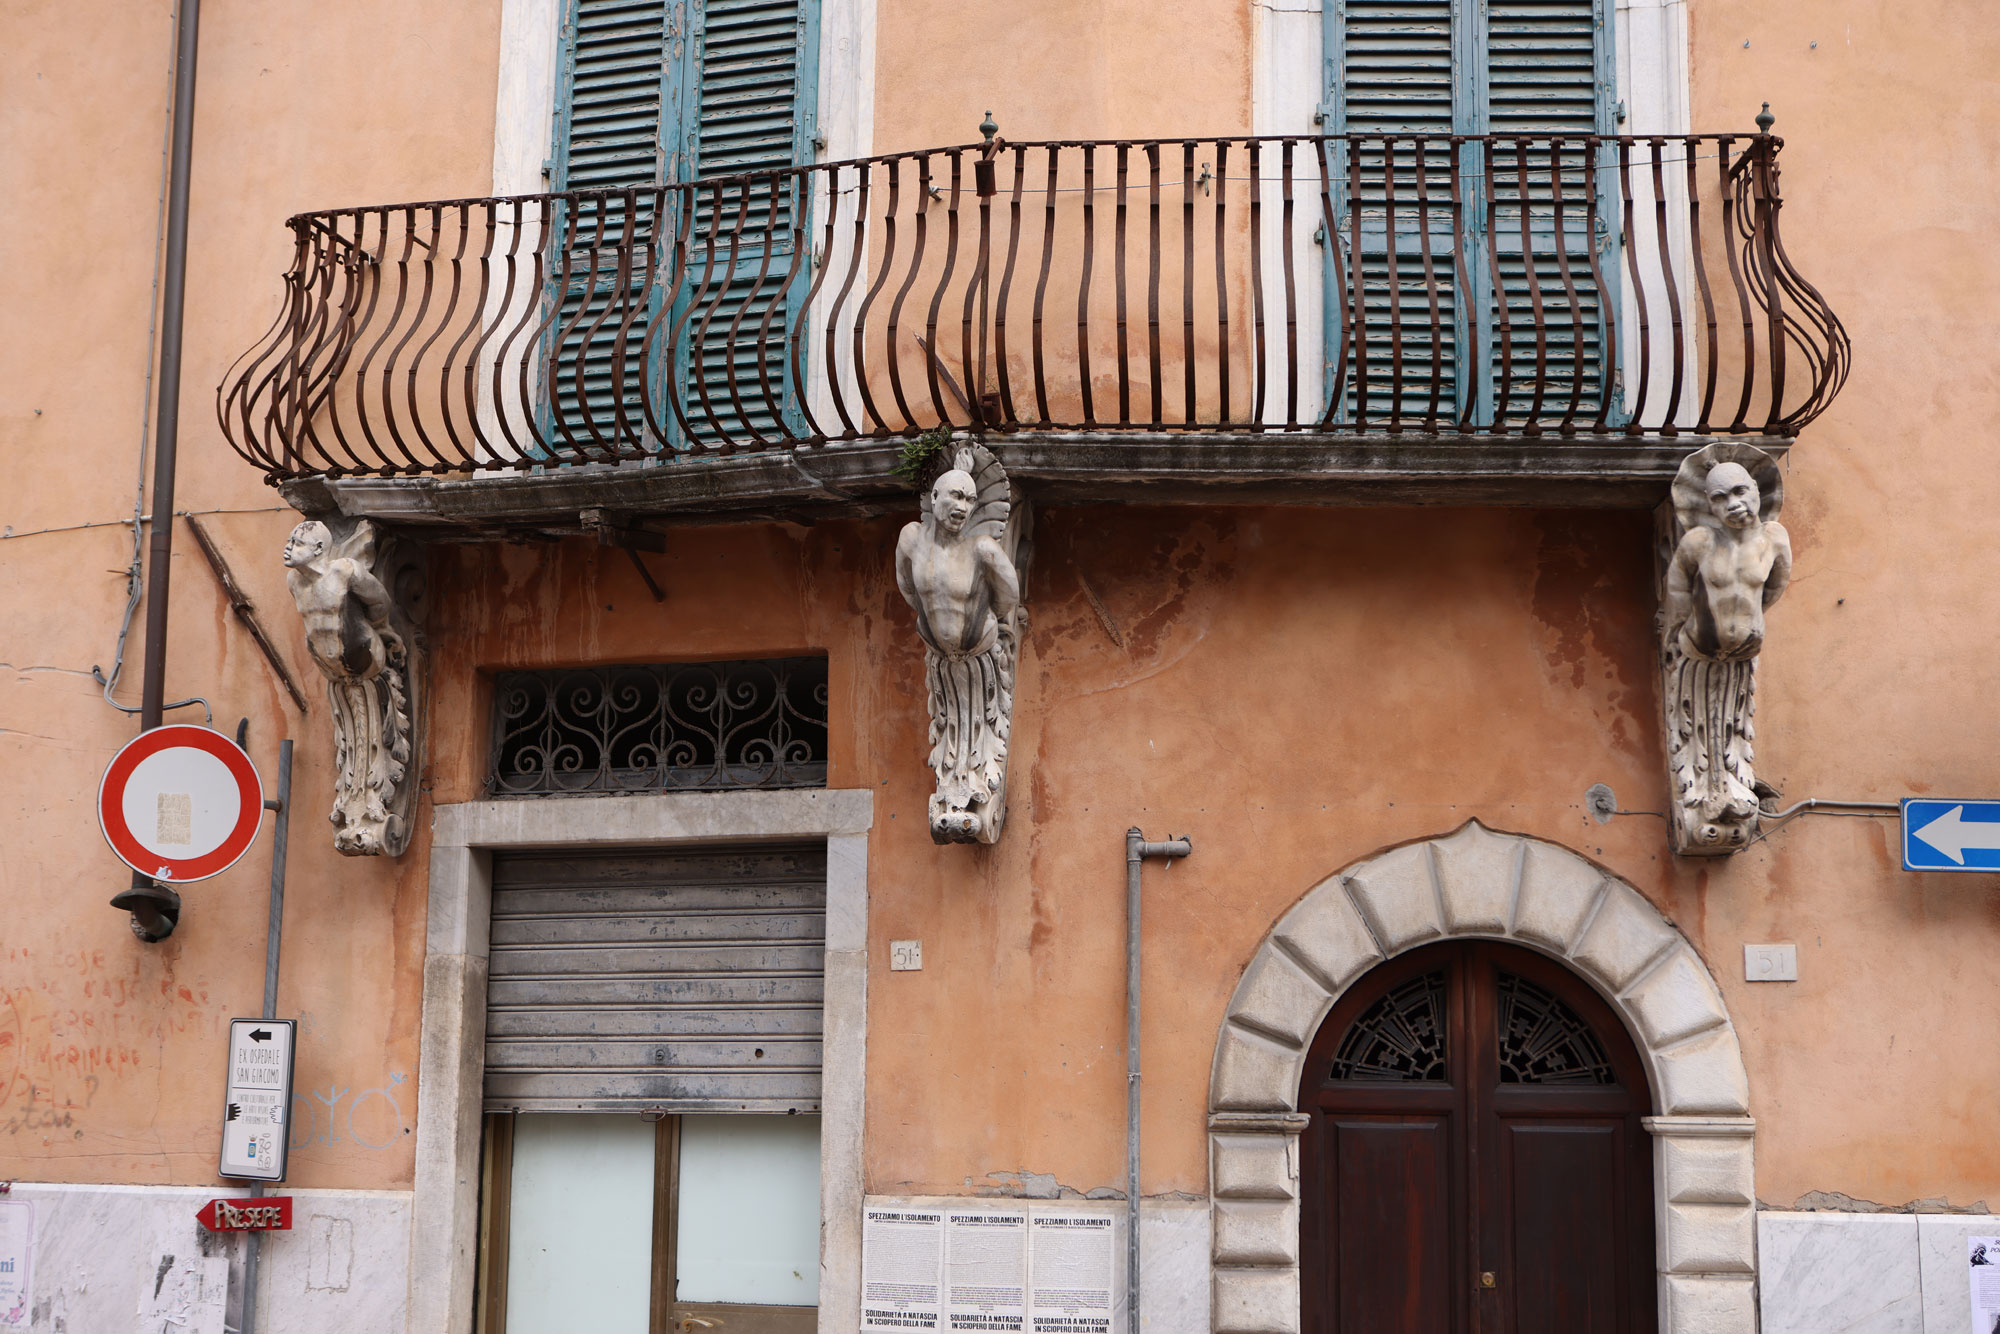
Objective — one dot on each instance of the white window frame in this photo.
(444, 1225)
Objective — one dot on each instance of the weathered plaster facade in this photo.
(1297, 689)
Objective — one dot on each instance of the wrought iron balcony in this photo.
(1227, 293)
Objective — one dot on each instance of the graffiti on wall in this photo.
(371, 1118)
(81, 1024)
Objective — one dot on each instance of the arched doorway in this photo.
(1475, 1159)
(1478, 884)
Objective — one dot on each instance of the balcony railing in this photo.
(1411, 286)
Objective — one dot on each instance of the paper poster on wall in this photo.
(1070, 1272)
(17, 1262)
(902, 1263)
(188, 1296)
(986, 1271)
(1982, 1256)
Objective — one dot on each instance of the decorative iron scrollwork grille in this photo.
(1543, 1041)
(655, 727)
(1398, 1039)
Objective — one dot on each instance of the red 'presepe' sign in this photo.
(266, 1213)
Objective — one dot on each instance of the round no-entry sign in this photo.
(180, 803)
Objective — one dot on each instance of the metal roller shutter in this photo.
(688, 981)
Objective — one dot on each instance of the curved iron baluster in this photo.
(379, 301)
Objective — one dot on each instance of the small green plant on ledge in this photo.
(919, 454)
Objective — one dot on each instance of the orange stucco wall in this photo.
(1293, 689)
(110, 1051)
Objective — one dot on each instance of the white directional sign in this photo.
(1950, 835)
(258, 1099)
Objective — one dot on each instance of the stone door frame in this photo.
(444, 1224)
(1478, 883)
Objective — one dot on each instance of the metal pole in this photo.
(1137, 849)
(156, 908)
(280, 835)
(173, 301)
(273, 937)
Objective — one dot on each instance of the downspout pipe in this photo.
(1137, 850)
(156, 908)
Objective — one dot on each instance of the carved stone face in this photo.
(952, 497)
(1716, 833)
(307, 544)
(1732, 495)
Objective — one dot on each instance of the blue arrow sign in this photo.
(1948, 835)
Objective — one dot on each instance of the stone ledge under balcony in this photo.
(1056, 468)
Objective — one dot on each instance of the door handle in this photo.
(1488, 1279)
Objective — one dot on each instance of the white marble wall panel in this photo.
(1836, 1273)
(343, 1266)
(1173, 1267)
(101, 1250)
(1943, 1270)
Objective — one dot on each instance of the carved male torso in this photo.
(1738, 574)
(1727, 570)
(960, 587)
(951, 585)
(342, 604)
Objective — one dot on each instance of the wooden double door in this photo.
(1475, 1162)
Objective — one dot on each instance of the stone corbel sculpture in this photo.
(959, 567)
(1726, 559)
(362, 638)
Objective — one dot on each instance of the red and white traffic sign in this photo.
(180, 803)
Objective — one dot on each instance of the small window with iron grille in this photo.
(660, 727)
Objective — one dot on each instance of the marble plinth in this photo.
(1835, 1273)
(103, 1254)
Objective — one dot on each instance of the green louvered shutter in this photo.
(1503, 67)
(1541, 78)
(609, 123)
(755, 114)
(608, 132)
(1394, 74)
(640, 104)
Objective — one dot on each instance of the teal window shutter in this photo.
(611, 132)
(608, 118)
(1395, 65)
(755, 113)
(758, 60)
(1546, 74)
(1541, 66)
(1504, 67)
(661, 92)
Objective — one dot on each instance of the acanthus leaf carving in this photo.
(353, 589)
(959, 567)
(1725, 560)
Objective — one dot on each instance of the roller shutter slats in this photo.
(690, 981)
